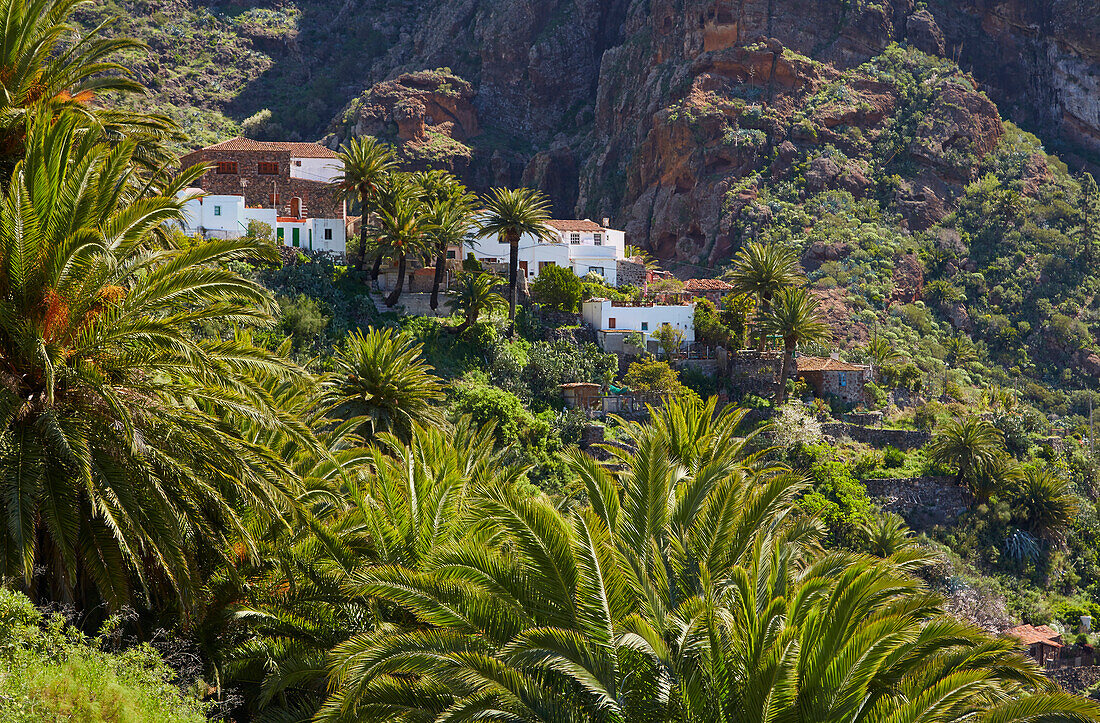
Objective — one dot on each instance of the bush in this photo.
(654, 377)
(50, 672)
(558, 289)
(892, 458)
(486, 404)
(302, 318)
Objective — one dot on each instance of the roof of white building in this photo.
(299, 150)
(575, 225)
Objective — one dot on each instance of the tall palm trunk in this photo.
(765, 307)
(377, 267)
(788, 360)
(513, 270)
(396, 293)
(362, 232)
(440, 267)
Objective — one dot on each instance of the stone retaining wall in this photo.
(904, 439)
(923, 502)
(1077, 680)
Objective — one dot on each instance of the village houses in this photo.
(614, 320)
(288, 186)
(584, 246)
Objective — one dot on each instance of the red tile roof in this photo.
(575, 225)
(1029, 635)
(695, 285)
(826, 364)
(298, 150)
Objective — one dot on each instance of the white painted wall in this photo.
(227, 217)
(646, 319)
(324, 170)
(580, 257)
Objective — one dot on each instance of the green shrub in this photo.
(892, 458)
(557, 288)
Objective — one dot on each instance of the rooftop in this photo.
(575, 225)
(706, 285)
(826, 364)
(1029, 634)
(299, 150)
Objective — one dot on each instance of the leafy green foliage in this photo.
(557, 288)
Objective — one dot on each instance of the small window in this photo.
(298, 163)
(227, 168)
(574, 238)
(268, 168)
(645, 326)
(844, 379)
(450, 254)
(595, 270)
(217, 210)
(611, 323)
(597, 238)
(328, 234)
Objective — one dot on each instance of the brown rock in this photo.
(908, 279)
(1091, 364)
(923, 33)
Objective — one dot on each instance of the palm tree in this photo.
(796, 317)
(508, 215)
(51, 66)
(122, 461)
(450, 213)
(403, 229)
(1045, 503)
(970, 447)
(474, 295)
(959, 350)
(686, 591)
(762, 271)
(367, 164)
(382, 380)
(882, 353)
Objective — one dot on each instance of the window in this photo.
(226, 167)
(844, 379)
(268, 168)
(328, 234)
(217, 210)
(450, 254)
(597, 238)
(298, 163)
(611, 323)
(595, 270)
(574, 238)
(645, 326)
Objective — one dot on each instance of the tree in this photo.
(508, 215)
(709, 328)
(121, 460)
(882, 353)
(970, 447)
(1044, 503)
(367, 165)
(795, 317)
(403, 230)
(450, 214)
(474, 295)
(737, 310)
(1088, 234)
(653, 377)
(381, 379)
(762, 271)
(53, 68)
(685, 591)
(558, 289)
(670, 339)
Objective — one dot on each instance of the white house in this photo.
(221, 216)
(582, 245)
(618, 318)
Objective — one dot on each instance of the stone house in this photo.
(289, 186)
(831, 377)
(1042, 642)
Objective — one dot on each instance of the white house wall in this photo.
(581, 257)
(324, 170)
(644, 319)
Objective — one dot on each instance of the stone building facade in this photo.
(831, 377)
(295, 179)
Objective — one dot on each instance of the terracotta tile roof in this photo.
(575, 225)
(706, 285)
(579, 385)
(826, 364)
(298, 150)
(1029, 635)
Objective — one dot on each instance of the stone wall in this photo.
(629, 273)
(1077, 679)
(754, 372)
(319, 200)
(904, 439)
(923, 502)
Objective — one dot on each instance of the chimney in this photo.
(835, 355)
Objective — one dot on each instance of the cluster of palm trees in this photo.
(785, 307)
(339, 551)
(419, 215)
